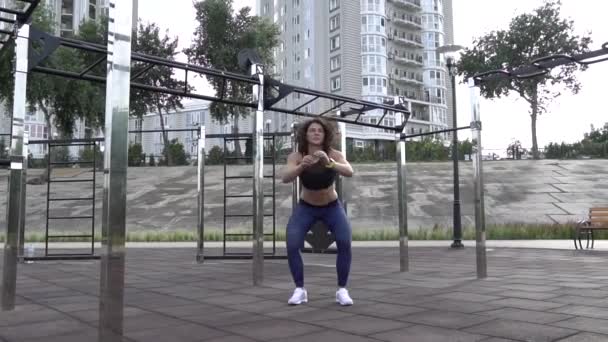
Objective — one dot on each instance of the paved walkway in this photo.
(530, 295)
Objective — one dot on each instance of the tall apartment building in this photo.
(369, 49)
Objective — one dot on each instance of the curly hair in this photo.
(328, 138)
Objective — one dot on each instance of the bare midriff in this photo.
(319, 197)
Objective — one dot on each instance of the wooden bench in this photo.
(598, 220)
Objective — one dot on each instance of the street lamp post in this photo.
(457, 224)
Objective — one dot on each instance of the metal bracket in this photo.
(42, 45)
(284, 90)
(476, 125)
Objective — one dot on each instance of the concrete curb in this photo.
(534, 244)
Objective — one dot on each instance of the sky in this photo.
(504, 120)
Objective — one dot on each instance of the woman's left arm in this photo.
(341, 165)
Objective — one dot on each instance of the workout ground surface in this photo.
(530, 295)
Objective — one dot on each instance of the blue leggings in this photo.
(300, 222)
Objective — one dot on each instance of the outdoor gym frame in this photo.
(267, 94)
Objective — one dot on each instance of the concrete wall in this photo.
(164, 198)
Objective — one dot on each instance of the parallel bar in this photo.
(112, 275)
(69, 236)
(70, 163)
(15, 188)
(72, 199)
(245, 177)
(257, 71)
(70, 180)
(480, 224)
(402, 196)
(69, 217)
(200, 255)
(56, 257)
(246, 196)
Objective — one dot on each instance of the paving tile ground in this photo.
(529, 295)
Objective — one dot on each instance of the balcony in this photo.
(408, 4)
(415, 62)
(413, 80)
(410, 22)
(414, 42)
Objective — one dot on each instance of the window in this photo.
(334, 4)
(334, 43)
(372, 23)
(335, 83)
(334, 23)
(307, 53)
(335, 63)
(307, 35)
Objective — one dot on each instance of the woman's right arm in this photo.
(292, 169)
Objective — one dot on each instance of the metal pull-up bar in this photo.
(543, 65)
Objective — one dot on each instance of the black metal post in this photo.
(457, 228)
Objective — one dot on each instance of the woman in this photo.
(317, 165)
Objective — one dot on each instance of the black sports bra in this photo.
(318, 177)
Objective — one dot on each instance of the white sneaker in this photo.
(299, 296)
(343, 298)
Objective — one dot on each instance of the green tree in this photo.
(529, 36)
(136, 155)
(176, 153)
(220, 36)
(150, 42)
(215, 156)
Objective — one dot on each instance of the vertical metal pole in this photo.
(342, 147)
(15, 187)
(23, 197)
(480, 224)
(112, 275)
(295, 198)
(401, 195)
(200, 256)
(457, 228)
(258, 177)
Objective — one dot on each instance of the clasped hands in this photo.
(319, 156)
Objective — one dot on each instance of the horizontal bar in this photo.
(67, 141)
(241, 257)
(405, 135)
(69, 217)
(7, 20)
(74, 144)
(70, 163)
(245, 177)
(168, 130)
(71, 199)
(239, 196)
(58, 257)
(69, 236)
(245, 137)
(70, 180)
(539, 65)
(244, 215)
(245, 158)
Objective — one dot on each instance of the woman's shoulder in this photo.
(296, 155)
